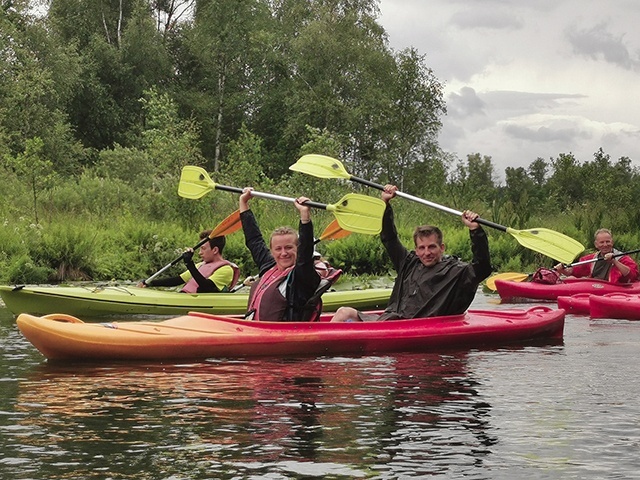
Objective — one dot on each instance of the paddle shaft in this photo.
(452, 211)
(270, 196)
(173, 262)
(621, 254)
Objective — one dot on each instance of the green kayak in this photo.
(97, 301)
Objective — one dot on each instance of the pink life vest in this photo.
(266, 291)
(207, 269)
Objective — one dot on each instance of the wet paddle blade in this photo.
(359, 213)
(334, 231)
(227, 226)
(194, 182)
(510, 276)
(320, 166)
(548, 242)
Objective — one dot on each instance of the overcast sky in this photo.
(529, 78)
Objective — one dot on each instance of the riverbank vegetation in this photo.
(103, 102)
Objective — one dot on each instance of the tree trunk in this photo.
(218, 141)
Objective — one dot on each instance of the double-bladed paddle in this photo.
(226, 227)
(354, 212)
(542, 240)
(598, 259)
(333, 231)
(510, 276)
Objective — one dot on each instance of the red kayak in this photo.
(201, 335)
(577, 304)
(615, 305)
(511, 291)
(610, 305)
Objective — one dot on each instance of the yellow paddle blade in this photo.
(320, 166)
(359, 213)
(545, 241)
(354, 212)
(511, 276)
(194, 182)
(227, 226)
(548, 242)
(334, 231)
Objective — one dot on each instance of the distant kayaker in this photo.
(213, 275)
(288, 279)
(621, 269)
(429, 283)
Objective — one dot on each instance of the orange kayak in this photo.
(201, 335)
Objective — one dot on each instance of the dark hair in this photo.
(427, 231)
(215, 241)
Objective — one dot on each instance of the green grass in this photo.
(106, 229)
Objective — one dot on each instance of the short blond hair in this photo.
(283, 231)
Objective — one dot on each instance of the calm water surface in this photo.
(569, 411)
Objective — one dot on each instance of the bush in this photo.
(101, 197)
(359, 254)
(23, 270)
(129, 165)
(68, 249)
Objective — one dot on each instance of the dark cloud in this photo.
(545, 134)
(465, 103)
(597, 42)
(529, 101)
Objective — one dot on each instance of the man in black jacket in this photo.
(429, 283)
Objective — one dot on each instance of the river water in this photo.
(568, 411)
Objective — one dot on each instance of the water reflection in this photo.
(414, 414)
(555, 411)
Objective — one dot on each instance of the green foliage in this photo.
(99, 111)
(135, 250)
(69, 251)
(14, 194)
(474, 179)
(245, 159)
(24, 270)
(128, 165)
(167, 139)
(321, 141)
(359, 254)
(36, 171)
(101, 197)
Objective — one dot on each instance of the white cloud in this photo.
(529, 79)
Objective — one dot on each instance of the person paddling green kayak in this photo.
(212, 275)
